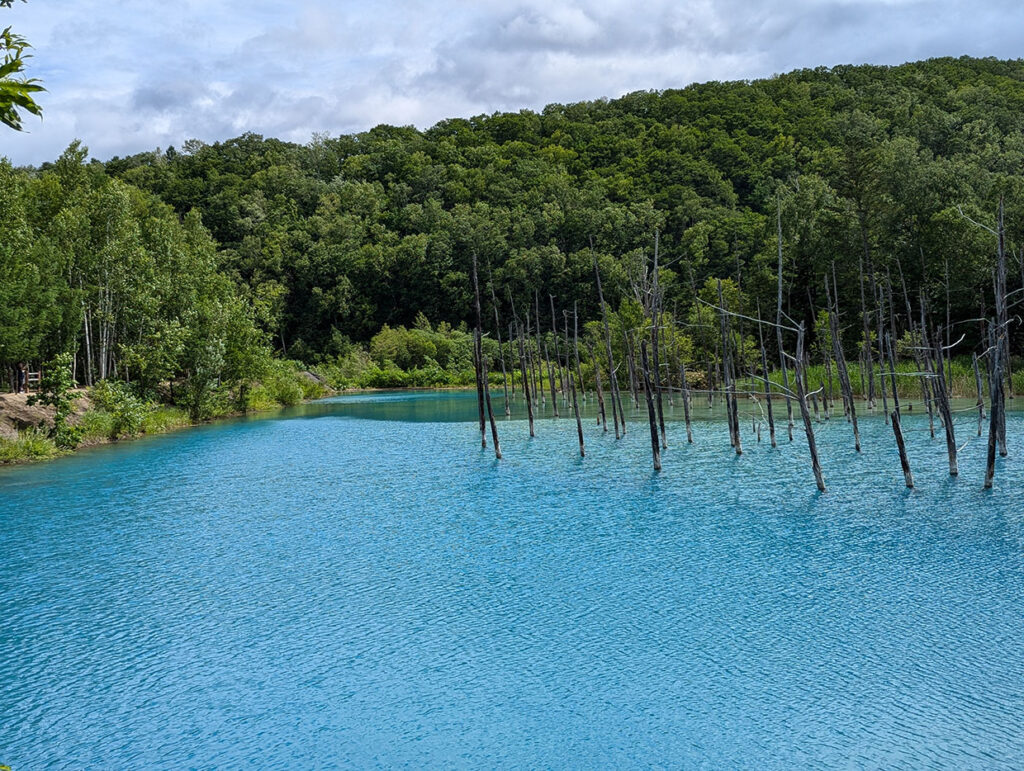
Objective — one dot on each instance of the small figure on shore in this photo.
(22, 377)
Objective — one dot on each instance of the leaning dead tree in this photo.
(897, 427)
(936, 373)
(801, 395)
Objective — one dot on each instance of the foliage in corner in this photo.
(15, 92)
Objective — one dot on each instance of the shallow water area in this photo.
(355, 582)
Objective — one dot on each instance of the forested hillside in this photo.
(167, 262)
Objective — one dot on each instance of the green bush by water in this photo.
(30, 445)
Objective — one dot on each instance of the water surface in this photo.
(354, 582)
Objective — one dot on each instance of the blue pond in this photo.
(355, 583)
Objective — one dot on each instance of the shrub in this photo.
(97, 425)
(55, 390)
(127, 411)
(161, 419)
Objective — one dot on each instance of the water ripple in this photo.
(356, 583)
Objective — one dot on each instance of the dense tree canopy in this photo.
(174, 261)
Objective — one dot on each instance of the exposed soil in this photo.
(16, 414)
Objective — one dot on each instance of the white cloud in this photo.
(129, 75)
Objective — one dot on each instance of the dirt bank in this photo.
(16, 414)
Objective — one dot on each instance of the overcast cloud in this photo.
(131, 75)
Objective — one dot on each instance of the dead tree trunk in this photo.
(572, 382)
(869, 363)
(981, 393)
(655, 335)
(501, 351)
(651, 416)
(996, 404)
(767, 382)
(801, 395)
(1003, 329)
(844, 376)
(490, 412)
(551, 382)
(512, 359)
(531, 360)
(478, 356)
(526, 380)
(602, 419)
(686, 400)
(938, 375)
(612, 384)
(631, 368)
(562, 386)
(897, 428)
(728, 376)
(876, 292)
(576, 352)
(778, 326)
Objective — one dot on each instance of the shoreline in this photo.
(18, 419)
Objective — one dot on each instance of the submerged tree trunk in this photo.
(729, 383)
(572, 382)
(651, 416)
(897, 427)
(501, 351)
(801, 395)
(767, 382)
(655, 335)
(996, 405)
(526, 380)
(981, 393)
(478, 356)
(778, 327)
(942, 399)
(602, 419)
(1003, 330)
(844, 376)
(490, 411)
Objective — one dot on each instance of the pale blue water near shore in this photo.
(354, 583)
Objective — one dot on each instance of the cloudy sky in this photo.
(132, 75)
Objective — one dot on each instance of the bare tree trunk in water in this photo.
(896, 427)
(612, 385)
(651, 416)
(801, 395)
(778, 323)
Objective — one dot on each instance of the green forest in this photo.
(199, 275)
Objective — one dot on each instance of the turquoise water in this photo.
(354, 583)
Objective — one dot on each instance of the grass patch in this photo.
(160, 420)
(97, 425)
(30, 445)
